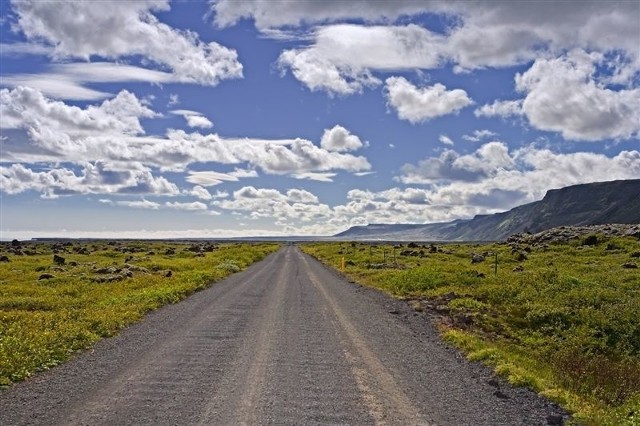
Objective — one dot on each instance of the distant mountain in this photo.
(587, 204)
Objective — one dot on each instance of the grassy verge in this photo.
(562, 319)
(49, 310)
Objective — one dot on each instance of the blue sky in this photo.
(232, 118)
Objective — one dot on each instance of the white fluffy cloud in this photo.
(342, 57)
(93, 178)
(194, 118)
(562, 95)
(480, 179)
(565, 95)
(88, 29)
(417, 104)
(500, 109)
(112, 131)
(340, 139)
(478, 35)
(294, 205)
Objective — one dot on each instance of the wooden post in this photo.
(342, 265)
(495, 266)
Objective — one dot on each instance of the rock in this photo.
(555, 420)
(591, 240)
(477, 258)
(109, 270)
(15, 243)
(412, 245)
(4, 258)
(58, 260)
(500, 395)
(170, 251)
(521, 256)
(635, 254)
(518, 268)
(109, 278)
(45, 277)
(168, 274)
(629, 265)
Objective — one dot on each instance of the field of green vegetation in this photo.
(562, 319)
(56, 299)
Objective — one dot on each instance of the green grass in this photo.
(43, 322)
(565, 321)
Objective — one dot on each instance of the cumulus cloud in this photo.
(518, 176)
(88, 29)
(478, 35)
(112, 131)
(139, 204)
(196, 205)
(562, 95)
(342, 57)
(200, 192)
(500, 109)
(194, 118)
(478, 135)
(294, 205)
(281, 13)
(340, 139)
(93, 178)
(445, 140)
(421, 104)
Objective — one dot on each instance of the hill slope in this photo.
(586, 204)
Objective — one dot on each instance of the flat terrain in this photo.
(287, 341)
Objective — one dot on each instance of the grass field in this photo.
(51, 307)
(562, 319)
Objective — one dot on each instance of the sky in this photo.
(188, 119)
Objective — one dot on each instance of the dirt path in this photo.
(285, 342)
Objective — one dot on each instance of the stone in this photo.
(58, 260)
(477, 258)
(46, 276)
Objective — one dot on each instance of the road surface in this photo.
(287, 341)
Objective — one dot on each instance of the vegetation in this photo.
(52, 305)
(562, 319)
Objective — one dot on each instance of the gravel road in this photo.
(287, 341)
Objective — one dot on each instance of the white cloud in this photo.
(112, 132)
(294, 206)
(500, 109)
(200, 192)
(211, 178)
(478, 135)
(194, 118)
(340, 139)
(318, 177)
(563, 95)
(524, 175)
(67, 81)
(421, 104)
(22, 48)
(279, 13)
(196, 205)
(445, 140)
(342, 57)
(142, 204)
(94, 178)
(88, 29)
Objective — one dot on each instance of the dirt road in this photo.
(285, 342)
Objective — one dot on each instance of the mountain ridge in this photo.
(595, 203)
